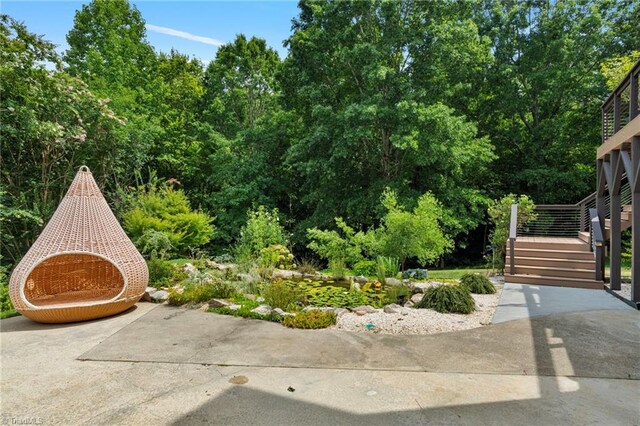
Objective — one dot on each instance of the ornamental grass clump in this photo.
(310, 320)
(454, 299)
(477, 284)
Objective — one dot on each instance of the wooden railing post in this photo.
(513, 230)
(598, 243)
(633, 105)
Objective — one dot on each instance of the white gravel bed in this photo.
(422, 321)
(625, 291)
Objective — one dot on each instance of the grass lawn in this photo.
(455, 274)
(626, 268)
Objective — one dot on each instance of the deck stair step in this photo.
(553, 254)
(553, 281)
(584, 236)
(556, 262)
(570, 244)
(548, 271)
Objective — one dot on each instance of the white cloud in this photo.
(183, 34)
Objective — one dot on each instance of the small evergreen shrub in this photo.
(312, 319)
(447, 299)
(202, 293)
(283, 295)
(365, 268)
(167, 211)
(162, 273)
(478, 284)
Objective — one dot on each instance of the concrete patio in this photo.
(163, 365)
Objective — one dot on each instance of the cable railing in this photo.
(567, 220)
(622, 106)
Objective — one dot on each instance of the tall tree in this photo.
(543, 93)
(107, 46)
(51, 123)
(351, 76)
(180, 95)
(240, 85)
(109, 51)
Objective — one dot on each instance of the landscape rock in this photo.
(262, 310)
(340, 311)
(234, 307)
(360, 279)
(147, 294)
(416, 297)
(285, 274)
(393, 309)
(159, 296)
(361, 313)
(190, 269)
(365, 308)
(219, 303)
(409, 304)
(224, 266)
(310, 308)
(393, 281)
(420, 287)
(282, 313)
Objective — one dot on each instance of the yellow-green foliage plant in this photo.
(312, 319)
(167, 211)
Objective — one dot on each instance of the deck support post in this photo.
(615, 242)
(635, 222)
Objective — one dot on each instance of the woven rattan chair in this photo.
(83, 265)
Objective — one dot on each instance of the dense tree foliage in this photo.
(463, 100)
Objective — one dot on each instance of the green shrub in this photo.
(154, 244)
(447, 299)
(367, 268)
(500, 215)
(346, 246)
(202, 293)
(163, 273)
(417, 233)
(167, 211)
(276, 256)
(283, 294)
(415, 274)
(6, 307)
(312, 319)
(478, 284)
(262, 230)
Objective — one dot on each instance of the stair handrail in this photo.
(513, 234)
(582, 206)
(597, 242)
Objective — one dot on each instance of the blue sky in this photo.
(211, 22)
